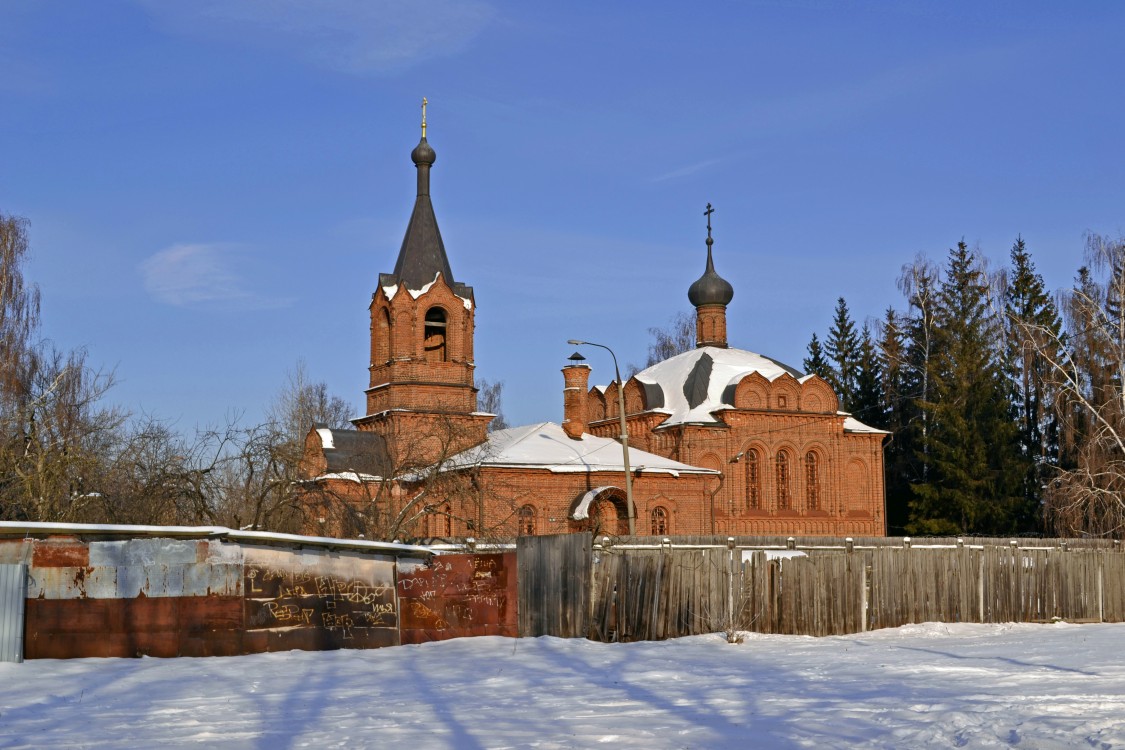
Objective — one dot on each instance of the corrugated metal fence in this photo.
(13, 595)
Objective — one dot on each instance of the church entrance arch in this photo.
(602, 511)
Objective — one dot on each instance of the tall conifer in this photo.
(842, 348)
(919, 283)
(868, 404)
(815, 363)
(892, 358)
(974, 471)
(1034, 328)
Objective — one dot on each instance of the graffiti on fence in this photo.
(459, 595)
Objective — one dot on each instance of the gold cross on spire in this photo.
(424, 103)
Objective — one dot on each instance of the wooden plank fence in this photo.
(554, 584)
(650, 592)
(652, 595)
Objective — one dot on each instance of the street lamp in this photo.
(631, 509)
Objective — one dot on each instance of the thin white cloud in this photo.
(690, 169)
(202, 275)
(372, 36)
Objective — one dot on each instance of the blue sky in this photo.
(215, 186)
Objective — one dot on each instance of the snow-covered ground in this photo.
(1028, 686)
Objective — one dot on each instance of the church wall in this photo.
(505, 491)
(457, 501)
(848, 497)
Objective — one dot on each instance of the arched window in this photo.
(812, 481)
(784, 474)
(753, 471)
(527, 520)
(447, 515)
(659, 521)
(434, 335)
(382, 337)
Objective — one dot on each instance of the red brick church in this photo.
(721, 440)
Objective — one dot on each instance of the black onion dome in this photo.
(710, 288)
(423, 153)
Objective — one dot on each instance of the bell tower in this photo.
(421, 371)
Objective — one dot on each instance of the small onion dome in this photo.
(423, 153)
(710, 288)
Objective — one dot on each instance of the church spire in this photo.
(710, 294)
(422, 255)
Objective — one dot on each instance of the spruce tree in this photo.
(892, 360)
(842, 348)
(919, 283)
(815, 363)
(868, 404)
(1034, 332)
(972, 458)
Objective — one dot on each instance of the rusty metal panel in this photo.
(318, 600)
(458, 595)
(101, 583)
(63, 553)
(131, 581)
(168, 626)
(13, 597)
(56, 583)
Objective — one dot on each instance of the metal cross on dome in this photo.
(708, 213)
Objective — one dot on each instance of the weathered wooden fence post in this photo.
(1101, 588)
(980, 584)
(732, 618)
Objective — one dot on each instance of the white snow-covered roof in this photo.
(711, 374)
(851, 424)
(28, 528)
(547, 446)
(391, 289)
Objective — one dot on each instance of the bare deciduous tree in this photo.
(489, 399)
(1086, 366)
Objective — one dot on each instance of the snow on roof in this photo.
(28, 528)
(416, 293)
(700, 381)
(326, 440)
(391, 289)
(547, 446)
(358, 477)
(851, 424)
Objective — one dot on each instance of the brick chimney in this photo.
(576, 417)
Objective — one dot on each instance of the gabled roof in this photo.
(851, 424)
(353, 453)
(547, 446)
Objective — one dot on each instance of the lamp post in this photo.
(631, 509)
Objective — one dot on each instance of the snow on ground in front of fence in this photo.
(1035, 686)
